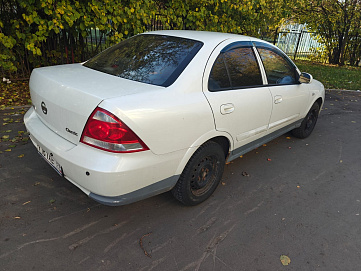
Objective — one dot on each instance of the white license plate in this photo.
(49, 157)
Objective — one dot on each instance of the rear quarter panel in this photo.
(170, 118)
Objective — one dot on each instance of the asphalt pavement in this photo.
(299, 199)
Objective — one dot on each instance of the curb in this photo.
(331, 89)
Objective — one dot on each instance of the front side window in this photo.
(235, 68)
(152, 59)
(279, 69)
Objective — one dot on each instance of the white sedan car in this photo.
(164, 111)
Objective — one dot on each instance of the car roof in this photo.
(203, 36)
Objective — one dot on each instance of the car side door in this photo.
(234, 87)
(290, 98)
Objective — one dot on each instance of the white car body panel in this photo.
(252, 106)
(109, 174)
(172, 121)
(289, 102)
(71, 92)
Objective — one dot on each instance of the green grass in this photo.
(333, 77)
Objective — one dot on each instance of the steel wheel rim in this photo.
(204, 175)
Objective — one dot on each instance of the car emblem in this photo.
(43, 108)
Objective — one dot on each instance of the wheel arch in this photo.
(223, 142)
(320, 102)
(223, 139)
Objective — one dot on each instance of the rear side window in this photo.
(235, 68)
(152, 59)
(279, 70)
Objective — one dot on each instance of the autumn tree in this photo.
(38, 32)
(249, 17)
(338, 24)
(46, 32)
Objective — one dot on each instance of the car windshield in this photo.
(152, 59)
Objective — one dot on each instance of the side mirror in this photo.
(305, 78)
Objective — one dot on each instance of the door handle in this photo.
(278, 99)
(227, 108)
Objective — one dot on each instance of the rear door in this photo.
(235, 89)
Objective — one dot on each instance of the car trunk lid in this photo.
(65, 96)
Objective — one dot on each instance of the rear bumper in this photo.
(109, 178)
(145, 192)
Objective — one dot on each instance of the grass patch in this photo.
(333, 76)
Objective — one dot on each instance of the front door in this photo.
(288, 95)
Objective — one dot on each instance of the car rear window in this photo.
(152, 59)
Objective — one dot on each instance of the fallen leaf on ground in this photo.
(288, 137)
(141, 245)
(52, 201)
(26, 202)
(245, 174)
(269, 159)
(17, 217)
(21, 156)
(285, 260)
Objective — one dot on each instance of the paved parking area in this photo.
(299, 198)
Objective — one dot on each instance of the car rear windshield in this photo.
(152, 59)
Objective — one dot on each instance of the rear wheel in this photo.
(308, 123)
(201, 175)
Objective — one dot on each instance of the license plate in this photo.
(49, 157)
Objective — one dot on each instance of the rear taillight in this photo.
(105, 131)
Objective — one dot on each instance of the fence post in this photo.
(298, 43)
(275, 36)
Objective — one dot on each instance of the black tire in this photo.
(201, 175)
(308, 123)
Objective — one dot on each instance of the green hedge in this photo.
(45, 32)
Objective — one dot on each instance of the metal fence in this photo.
(66, 47)
(298, 43)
